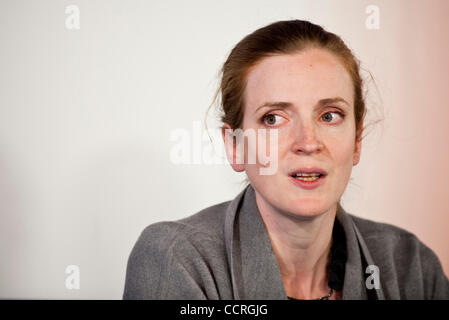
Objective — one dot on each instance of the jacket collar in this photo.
(255, 272)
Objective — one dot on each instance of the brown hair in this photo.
(282, 37)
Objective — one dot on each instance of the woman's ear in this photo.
(232, 152)
(358, 148)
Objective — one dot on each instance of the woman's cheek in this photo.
(342, 152)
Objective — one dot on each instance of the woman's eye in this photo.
(327, 117)
(271, 119)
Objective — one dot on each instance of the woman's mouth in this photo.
(308, 180)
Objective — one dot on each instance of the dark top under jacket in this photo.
(224, 252)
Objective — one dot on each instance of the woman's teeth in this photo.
(307, 176)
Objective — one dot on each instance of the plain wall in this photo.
(86, 118)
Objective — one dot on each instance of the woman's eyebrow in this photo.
(332, 100)
(282, 104)
(279, 104)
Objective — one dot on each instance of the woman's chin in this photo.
(310, 208)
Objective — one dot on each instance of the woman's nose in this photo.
(307, 139)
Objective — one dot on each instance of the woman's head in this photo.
(303, 81)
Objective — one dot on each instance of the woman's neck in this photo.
(301, 246)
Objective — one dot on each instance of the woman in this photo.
(286, 236)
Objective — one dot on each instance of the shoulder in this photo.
(205, 224)
(371, 229)
(390, 239)
(404, 259)
(185, 236)
(172, 258)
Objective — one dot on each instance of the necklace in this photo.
(326, 297)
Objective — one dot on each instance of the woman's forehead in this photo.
(300, 78)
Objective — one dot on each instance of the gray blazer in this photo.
(224, 252)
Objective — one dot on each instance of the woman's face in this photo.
(308, 98)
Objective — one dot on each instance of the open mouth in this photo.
(308, 177)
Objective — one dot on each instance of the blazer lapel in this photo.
(354, 283)
(367, 260)
(254, 267)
